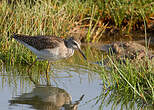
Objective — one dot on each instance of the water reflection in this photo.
(66, 77)
(44, 98)
(69, 78)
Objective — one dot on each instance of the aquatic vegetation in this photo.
(88, 19)
(128, 84)
(124, 82)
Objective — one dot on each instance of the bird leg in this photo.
(34, 82)
(31, 65)
(30, 76)
(47, 76)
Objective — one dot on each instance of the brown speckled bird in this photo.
(50, 48)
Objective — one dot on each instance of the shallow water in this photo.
(72, 75)
(13, 85)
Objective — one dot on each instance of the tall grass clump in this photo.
(43, 18)
(126, 14)
(127, 85)
(59, 17)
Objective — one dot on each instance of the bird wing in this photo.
(39, 42)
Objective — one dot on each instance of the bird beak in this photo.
(82, 53)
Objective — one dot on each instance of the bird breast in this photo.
(56, 53)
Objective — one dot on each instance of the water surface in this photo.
(73, 75)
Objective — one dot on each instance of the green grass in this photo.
(48, 17)
(128, 84)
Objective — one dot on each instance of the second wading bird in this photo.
(49, 48)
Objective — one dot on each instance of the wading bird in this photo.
(50, 48)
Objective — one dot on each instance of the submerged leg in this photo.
(31, 65)
(34, 82)
(47, 76)
(30, 75)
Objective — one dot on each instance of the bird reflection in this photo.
(46, 97)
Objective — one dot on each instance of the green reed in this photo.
(128, 84)
(48, 17)
(125, 84)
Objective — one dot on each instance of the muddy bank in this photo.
(113, 34)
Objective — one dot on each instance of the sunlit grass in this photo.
(123, 83)
(128, 84)
(59, 17)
